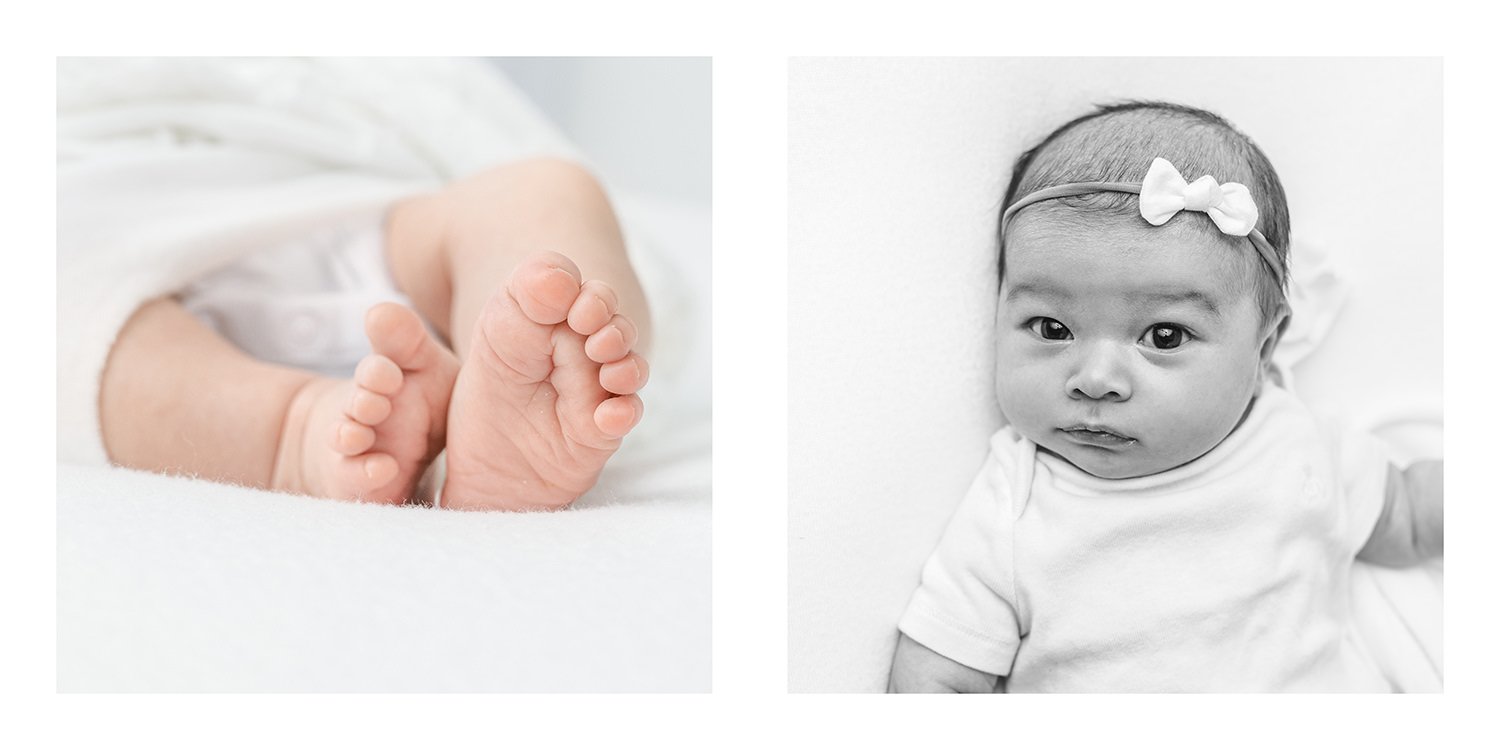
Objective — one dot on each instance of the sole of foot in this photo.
(545, 394)
(371, 437)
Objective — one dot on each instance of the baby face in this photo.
(1125, 349)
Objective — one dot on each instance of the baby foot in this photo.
(370, 438)
(545, 394)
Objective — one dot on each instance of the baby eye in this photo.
(1049, 329)
(1164, 336)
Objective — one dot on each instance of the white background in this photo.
(750, 674)
(645, 122)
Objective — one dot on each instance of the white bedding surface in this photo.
(170, 584)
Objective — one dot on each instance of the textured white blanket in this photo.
(174, 585)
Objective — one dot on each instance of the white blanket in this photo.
(174, 585)
(169, 170)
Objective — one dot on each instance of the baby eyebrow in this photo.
(1190, 296)
(1038, 290)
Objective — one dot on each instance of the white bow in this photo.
(1164, 192)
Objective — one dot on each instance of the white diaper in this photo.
(301, 304)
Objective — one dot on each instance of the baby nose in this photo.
(1101, 374)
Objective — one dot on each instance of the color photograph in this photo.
(384, 375)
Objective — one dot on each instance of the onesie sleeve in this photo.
(1364, 464)
(965, 606)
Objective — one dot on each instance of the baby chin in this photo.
(1104, 454)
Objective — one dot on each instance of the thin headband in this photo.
(1163, 193)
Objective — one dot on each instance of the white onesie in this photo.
(302, 304)
(1230, 573)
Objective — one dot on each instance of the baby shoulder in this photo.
(1008, 449)
(1327, 439)
(1331, 474)
(1007, 471)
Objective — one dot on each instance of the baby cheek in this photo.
(1220, 403)
(1022, 397)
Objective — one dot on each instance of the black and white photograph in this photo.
(1115, 375)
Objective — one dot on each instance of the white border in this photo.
(749, 43)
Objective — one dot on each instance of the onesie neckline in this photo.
(1067, 476)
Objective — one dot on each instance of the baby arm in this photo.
(1410, 528)
(918, 669)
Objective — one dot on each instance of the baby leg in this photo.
(178, 398)
(524, 269)
(451, 251)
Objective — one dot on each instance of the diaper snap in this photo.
(301, 304)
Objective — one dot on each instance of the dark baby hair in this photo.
(1116, 143)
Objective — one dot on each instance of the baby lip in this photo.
(1096, 429)
(1097, 435)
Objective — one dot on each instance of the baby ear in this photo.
(1269, 339)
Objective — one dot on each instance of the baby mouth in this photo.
(1096, 435)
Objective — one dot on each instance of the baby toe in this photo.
(595, 305)
(368, 407)
(617, 416)
(612, 342)
(352, 438)
(626, 376)
(397, 332)
(545, 286)
(377, 469)
(379, 374)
